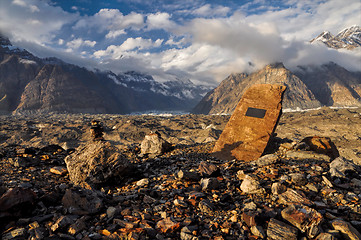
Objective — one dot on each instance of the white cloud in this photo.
(160, 20)
(114, 34)
(208, 11)
(32, 20)
(206, 48)
(78, 42)
(111, 19)
(129, 47)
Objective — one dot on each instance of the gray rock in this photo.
(251, 186)
(340, 167)
(266, 160)
(306, 155)
(82, 202)
(95, 164)
(154, 144)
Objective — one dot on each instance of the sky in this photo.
(200, 40)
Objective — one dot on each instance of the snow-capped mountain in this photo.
(29, 84)
(348, 38)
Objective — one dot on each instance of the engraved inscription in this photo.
(256, 112)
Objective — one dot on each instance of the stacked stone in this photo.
(96, 130)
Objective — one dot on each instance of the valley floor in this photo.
(185, 193)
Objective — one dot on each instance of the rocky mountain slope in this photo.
(309, 87)
(348, 38)
(29, 84)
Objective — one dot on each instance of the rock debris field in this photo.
(153, 177)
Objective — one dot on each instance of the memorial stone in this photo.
(252, 123)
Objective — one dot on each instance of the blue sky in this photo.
(195, 39)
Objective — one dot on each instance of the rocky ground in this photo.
(124, 188)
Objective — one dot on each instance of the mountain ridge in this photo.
(348, 38)
(309, 87)
(29, 84)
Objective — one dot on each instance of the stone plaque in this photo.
(252, 123)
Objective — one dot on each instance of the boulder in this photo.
(322, 145)
(97, 163)
(154, 144)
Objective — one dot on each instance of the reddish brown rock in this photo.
(254, 120)
(17, 197)
(322, 145)
(304, 218)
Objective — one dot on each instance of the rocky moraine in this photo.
(153, 177)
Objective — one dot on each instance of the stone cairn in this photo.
(96, 130)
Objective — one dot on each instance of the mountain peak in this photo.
(348, 38)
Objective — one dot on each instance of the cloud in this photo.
(114, 34)
(129, 47)
(202, 41)
(32, 20)
(208, 11)
(110, 20)
(160, 20)
(78, 42)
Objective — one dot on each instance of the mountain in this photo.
(348, 38)
(309, 87)
(29, 84)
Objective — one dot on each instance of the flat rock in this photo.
(291, 196)
(96, 163)
(252, 123)
(279, 230)
(301, 155)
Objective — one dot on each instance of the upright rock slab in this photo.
(95, 164)
(251, 125)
